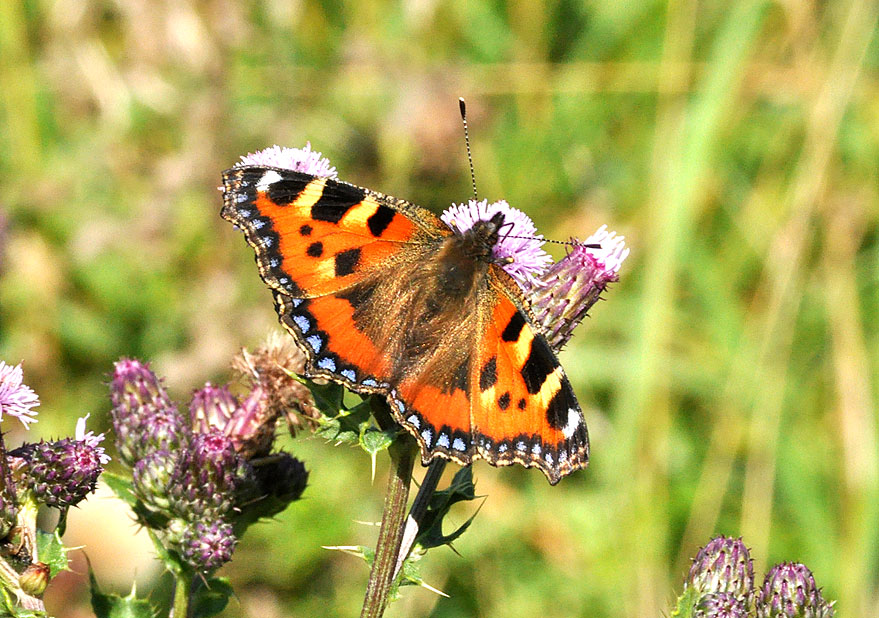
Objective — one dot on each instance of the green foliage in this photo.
(114, 606)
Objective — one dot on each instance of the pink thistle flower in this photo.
(16, 399)
(561, 296)
(518, 250)
(91, 440)
(297, 159)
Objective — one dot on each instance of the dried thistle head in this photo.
(274, 366)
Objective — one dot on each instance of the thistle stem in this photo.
(418, 509)
(381, 578)
(182, 586)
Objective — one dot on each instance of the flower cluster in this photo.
(721, 580)
(59, 474)
(201, 477)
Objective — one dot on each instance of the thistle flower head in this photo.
(723, 565)
(271, 371)
(297, 159)
(206, 546)
(720, 605)
(789, 591)
(518, 249)
(60, 473)
(16, 399)
(144, 417)
(561, 296)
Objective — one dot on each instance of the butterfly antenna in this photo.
(463, 108)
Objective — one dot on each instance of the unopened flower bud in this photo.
(789, 591)
(207, 546)
(34, 579)
(723, 565)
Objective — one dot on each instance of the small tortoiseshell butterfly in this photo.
(384, 297)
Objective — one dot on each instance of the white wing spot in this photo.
(458, 445)
(349, 373)
(415, 421)
(572, 424)
(269, 178)
(427, 434)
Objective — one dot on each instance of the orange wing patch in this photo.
(523, 407)
(312, 236)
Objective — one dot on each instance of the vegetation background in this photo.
(729, 381)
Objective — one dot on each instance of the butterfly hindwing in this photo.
(524, 409)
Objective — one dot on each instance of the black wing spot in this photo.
(379, 221)
(488, 375)
(514, 327)
(504, 401)
(315, 249)
(287, 190)
(557, 410)
(461, 378)
(305, 230)
(521, 403)
(538, 366)
(347, 261)
(336, 200)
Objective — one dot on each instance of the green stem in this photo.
(183, 584)
(381, 578)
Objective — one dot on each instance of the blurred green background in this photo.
(729, 381)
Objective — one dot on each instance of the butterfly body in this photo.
(385, 298)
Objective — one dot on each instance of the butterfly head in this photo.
(483, 237)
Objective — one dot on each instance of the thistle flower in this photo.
(61, 473)
(207, 546)
(144, 418)
(206, 477)
(518, 250)
(296, 159)
(249, 425)
(789, 591)
(561, 296)
(16, 399)
(271, 371)
(723, 565)
(720, 605)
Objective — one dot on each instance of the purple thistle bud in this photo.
(723, 565)
(561, 296)
(789, 591)
(296, 159)
(518, 249)
(720, 605)
(211, 408)
(207, 546)
(35, 578)
(61, 473)
(152, 476)
(207, 478)
(16, 399)
(144, 418)
(250, 425)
